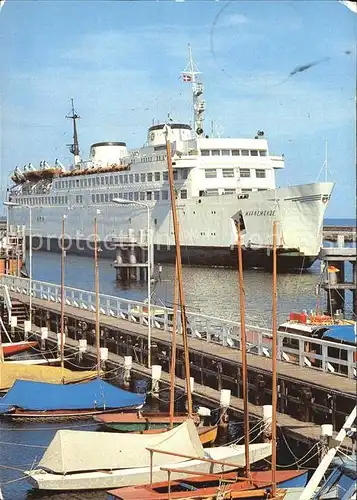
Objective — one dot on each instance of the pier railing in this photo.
(323, 355)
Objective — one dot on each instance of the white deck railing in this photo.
(319, 354)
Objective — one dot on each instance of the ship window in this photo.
(125, 196)
(142, 177)
(115, 179)
(260, 173)
(107, 180)
(126, 179)
(228, 172)
(137, 177)
(165, 195)
(210, 173)
(156, 195)
(97, 198)
(136, 196)
(66, 199)
(131, 178)
(102, 181)
(175, 175)
(262, 152)
(184, 173)
(81, 182)
(77, 182)
(149, 195)
(253, 152)
(157, 176)
(183, 194)
(111, 196)
(226, 152)
(216, 152)
(149, 176)
(229, 191)
(165, 176)
(245, 152)
(85, 182)
(106, 196)
(56, 200)
(111, 179)
(211, 192)
(246, 190)
(131, 196)
(142, 195)
(98, 181)
(262, 189)
(244, 172)
(102, 198)
(204, 152)
(93, 198)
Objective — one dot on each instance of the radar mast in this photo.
(190, 74)
(74, 148)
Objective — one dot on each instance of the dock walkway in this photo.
(310, 376)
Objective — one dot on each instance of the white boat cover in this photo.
(75, 451)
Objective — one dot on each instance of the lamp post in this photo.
(10, 204)
(121, 201)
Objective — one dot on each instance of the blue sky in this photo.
(121, 62)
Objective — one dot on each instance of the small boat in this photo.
(12, 371)
(206, 433)
(205, 486)
(141, 421)
(82, 460)
(11, 348)
(33, 400)
(342, 481)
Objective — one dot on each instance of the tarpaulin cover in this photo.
(42, 396)
(342, 333)
(77, 451)
(10, 372)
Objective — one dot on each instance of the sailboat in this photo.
(82, 460)
(253, 484)
(41, 392)
(162, 421)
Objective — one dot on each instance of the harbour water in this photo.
(212, 291)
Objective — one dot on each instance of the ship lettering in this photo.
(258, 213)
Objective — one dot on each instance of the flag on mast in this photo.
(186, 77)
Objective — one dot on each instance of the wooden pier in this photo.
(307, 397)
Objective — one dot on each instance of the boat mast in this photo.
(243, 347)
(179, 270)
(74, 148)
(190, 75)
(173, 352)
(62, 299)
(274, 367)
(97, 304)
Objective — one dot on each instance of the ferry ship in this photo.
(215, 178)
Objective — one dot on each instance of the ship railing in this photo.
(7, 299)
(323, 355)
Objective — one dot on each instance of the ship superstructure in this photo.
(214, 178)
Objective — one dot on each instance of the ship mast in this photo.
(74, 148)
(190, 75)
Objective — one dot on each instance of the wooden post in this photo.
(243, 348)
(97, 304)
(274, 379)
(173, 352)
(179, 273)
(62, 300)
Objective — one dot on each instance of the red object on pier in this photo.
(11, 348)
(300, 317)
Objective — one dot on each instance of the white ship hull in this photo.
(207, 232)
